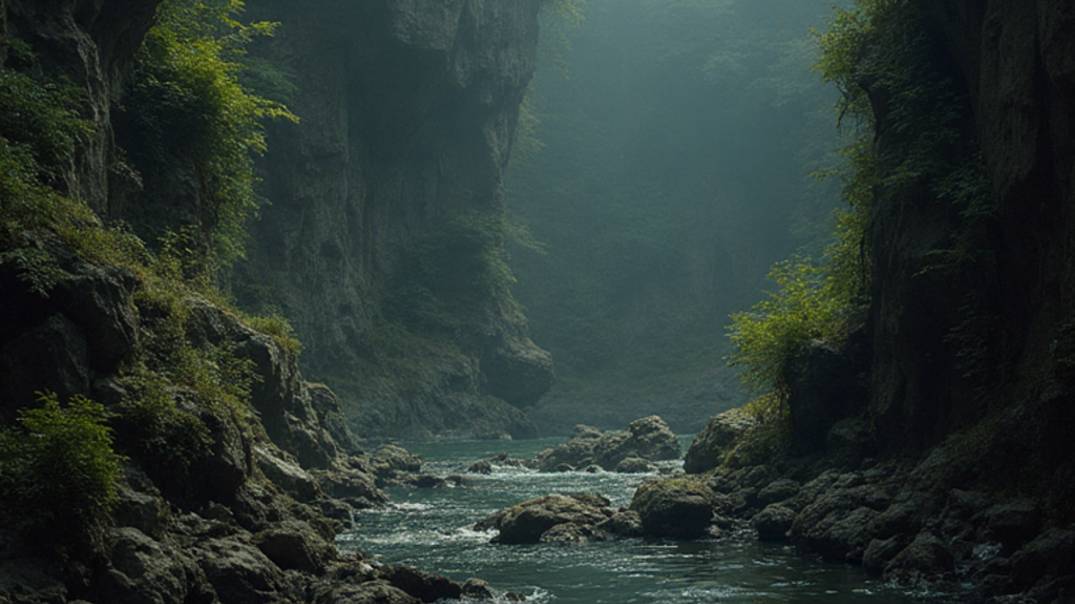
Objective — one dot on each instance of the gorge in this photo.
(248, 249)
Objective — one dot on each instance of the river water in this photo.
(430, 529)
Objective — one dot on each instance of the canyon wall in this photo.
(383, 233)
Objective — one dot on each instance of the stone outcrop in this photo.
(386, 197)
(645, 439)
(240, 500)
(678, 508)
(568, 518)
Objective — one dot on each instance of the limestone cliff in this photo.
(383, 235)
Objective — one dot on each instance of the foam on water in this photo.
(432, 529)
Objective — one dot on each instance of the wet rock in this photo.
(719, 436)
(295, 545)
(425, 481)
(623, 523)
(529, 520)
(778, 491)
(571, 533)
(476, 589)
(481, 467)
(634, 465)
(425, 586)
(926, 557)
(677, 508)
(773, 523)
(564, 467)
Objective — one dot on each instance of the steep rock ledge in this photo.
(386, 222)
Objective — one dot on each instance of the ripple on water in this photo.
(433, 529)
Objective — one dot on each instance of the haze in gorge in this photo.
(565, 301)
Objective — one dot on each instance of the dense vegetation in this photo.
(884, 67)
(59, 465)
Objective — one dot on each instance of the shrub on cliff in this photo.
(58, 471)
(189, 111)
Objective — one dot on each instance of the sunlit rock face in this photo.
(384, 224)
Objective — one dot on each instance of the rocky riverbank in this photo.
(913, 521)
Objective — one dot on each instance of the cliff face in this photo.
(991, 330)
(204, 469)
(383, 235)
(92, 44)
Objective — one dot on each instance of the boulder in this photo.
(926, 557)
(239, 572)
(286, 474)
(481, 467)
(570, 532)
(476, 589)
(880, 552)
(1050, 554)
(773, 523)
(424, 586)
(778, 491)
(624, 523)
(634, 465)
(395, 459)
(528, 521)
(648, 438)
(295, 545)
(717, 438)
(370, 592)
(356, 487)
(141, 569)
(678, 508)
(1012, 523)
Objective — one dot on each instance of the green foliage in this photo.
(893, 87)
(190, 108)
(58, 471)
(808, 304)
(168, 441)
(42, 120)
(278, 327)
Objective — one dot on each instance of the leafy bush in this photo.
(190, 109)
(58, 471)
(806, 305)
(276, 326)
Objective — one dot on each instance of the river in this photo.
(430, 529)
